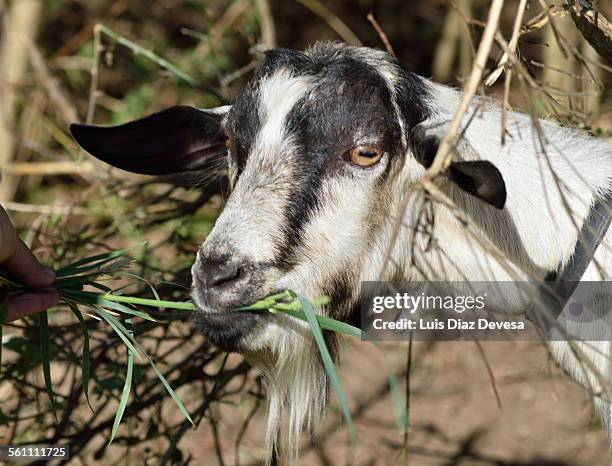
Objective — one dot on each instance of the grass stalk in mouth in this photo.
(119, 310)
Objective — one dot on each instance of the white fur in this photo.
(251, 221)
(549, 198)
(534, 234)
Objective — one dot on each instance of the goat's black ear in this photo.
(479, 178)
(174, 141)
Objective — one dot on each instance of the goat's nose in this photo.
(217, 276)
(222, 283)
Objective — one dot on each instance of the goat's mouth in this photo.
(220, 291)
(227, 330)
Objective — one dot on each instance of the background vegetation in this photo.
(57, 67)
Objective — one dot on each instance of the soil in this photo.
(544, 420)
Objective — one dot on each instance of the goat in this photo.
(318, 151)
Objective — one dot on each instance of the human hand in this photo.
(18, 260)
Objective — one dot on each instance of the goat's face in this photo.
(316, 149)
(312, 146)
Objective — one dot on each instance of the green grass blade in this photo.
(397, 397)
(124, 309)
(145, 281)
(169, 389)
(74, 280)
(105, 257)
(261, 305)
(399, 404)
(119, 329)
(333, 325)
(127, 386)
(82, 271)
(328, 363)
(99, 286)
(97, 299)
(45, 357)
(326, 323)
(85, 357)
(91, 263)
(137, 49)
(186, 306)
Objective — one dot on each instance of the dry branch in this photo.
(594, 26)
(268, 30)
(64, 108)
(332, 20)
(512, 46)
(441, 159)
(50, 168)
(381, 33)
(45, 209)
(230, 16)
(20, 29)
(2, 12)
(455, 35)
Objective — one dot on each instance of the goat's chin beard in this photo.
(296, 385)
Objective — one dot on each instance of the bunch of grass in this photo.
(118, 311)
(71, 283)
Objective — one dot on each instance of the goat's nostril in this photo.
(222, 275)
(219, 281)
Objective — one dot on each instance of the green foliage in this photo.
(298, 307)
(116, 211)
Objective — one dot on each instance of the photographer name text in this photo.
(446, 324)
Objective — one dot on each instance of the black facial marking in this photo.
(294, 60)
(349, 104)
(412, 96)
(332, 119)
(243, 124)
(340, 290)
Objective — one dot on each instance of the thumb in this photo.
(22, 264)
(18, 260)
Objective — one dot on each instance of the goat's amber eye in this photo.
(229, 142)
(365, 156)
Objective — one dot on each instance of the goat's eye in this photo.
(229, 142)
(365, 156)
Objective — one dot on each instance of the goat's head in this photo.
(316, 149)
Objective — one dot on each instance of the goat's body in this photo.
(304, 215)
(554, 176)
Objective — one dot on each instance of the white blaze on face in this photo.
(251, 223)
(335, 239)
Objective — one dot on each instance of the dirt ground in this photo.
(545, 419)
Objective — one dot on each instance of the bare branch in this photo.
(594, 26)
(332, 20)
(516, 30)
(442, 156)
(381, 33)
(268, 29)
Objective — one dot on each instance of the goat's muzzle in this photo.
(220, 286)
